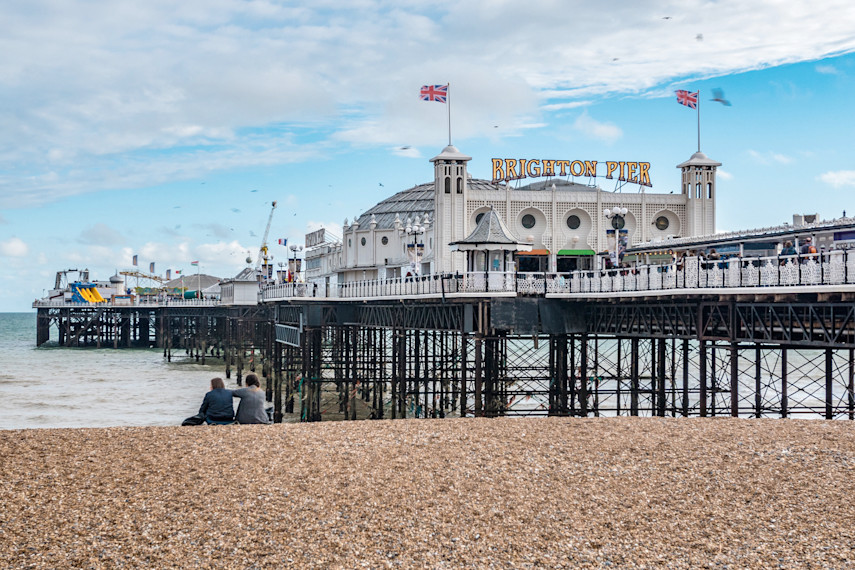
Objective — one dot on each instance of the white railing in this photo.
(137, 302)
(831, 268)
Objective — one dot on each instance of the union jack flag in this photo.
(690, 100)
(438, 93)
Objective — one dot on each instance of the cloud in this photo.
(95, 97)
(769, 157)
(724, 175)
(838, 178)
(14, 247)
(606, 132)
(100, 234)
(826, 69)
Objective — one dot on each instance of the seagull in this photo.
(666, 17)
(699, 37)
(235, 210)
(253, 190)
(404, 148)
(380, 183)
(718, 95)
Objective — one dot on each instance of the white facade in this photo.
(563, 220)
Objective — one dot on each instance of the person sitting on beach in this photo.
(251, 407)
(217, 406)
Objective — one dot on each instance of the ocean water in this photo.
(52, 387)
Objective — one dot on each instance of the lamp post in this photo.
(616, 216)
(294, 250)
(415, 228)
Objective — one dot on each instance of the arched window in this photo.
(460, 186)
(447, 185)
(709, 190)
(698, 191)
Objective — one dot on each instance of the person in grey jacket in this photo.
(252, 401)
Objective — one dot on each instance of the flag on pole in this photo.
(178, 272)
(438, 93)
(151, 267)
(194, 263)
(168, 274)
(690, 100)
(283, 241)
(135, 260)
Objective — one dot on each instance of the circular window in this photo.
(573, 222)
(618, 222)
(385, 240)
(362, 241)
(528, 221)
(478, 218)
(661, 223)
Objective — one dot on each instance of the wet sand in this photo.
(461, 493)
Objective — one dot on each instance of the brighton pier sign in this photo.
(505, 169)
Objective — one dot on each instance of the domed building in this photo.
(569, 225)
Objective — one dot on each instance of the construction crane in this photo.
(262, 251)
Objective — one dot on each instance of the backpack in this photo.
(812, 249)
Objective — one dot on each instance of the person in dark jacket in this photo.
(251, 409)
(217, 406)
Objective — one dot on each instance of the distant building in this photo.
(562, 219)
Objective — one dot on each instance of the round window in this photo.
(618, 222)
(528, 221)
(362, 241)
(384, 240)
(661, 223)
(478, 218)
(573, 222)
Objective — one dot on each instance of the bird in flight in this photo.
(718, 95)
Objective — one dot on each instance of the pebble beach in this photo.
(452, 493)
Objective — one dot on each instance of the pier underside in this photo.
(506, 357)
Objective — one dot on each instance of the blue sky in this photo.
(165, 129)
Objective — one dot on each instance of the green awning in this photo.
(576, 252)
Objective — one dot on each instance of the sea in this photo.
(53, 387)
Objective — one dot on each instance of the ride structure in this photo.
(265, 271)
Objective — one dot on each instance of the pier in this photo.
(756, 339)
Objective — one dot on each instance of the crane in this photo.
(262, 251)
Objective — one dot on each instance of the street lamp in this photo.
(616, 215)
(415, 228)
(294, 250)
(617, 233)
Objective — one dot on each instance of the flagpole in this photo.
(448, 100)
(699, 120)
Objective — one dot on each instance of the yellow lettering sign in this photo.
(505, 169)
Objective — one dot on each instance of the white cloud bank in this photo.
(14, 247)
(839, 178)
(99, 94)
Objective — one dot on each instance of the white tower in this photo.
(450, 185)
(698, 185)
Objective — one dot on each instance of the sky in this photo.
(166, 129)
